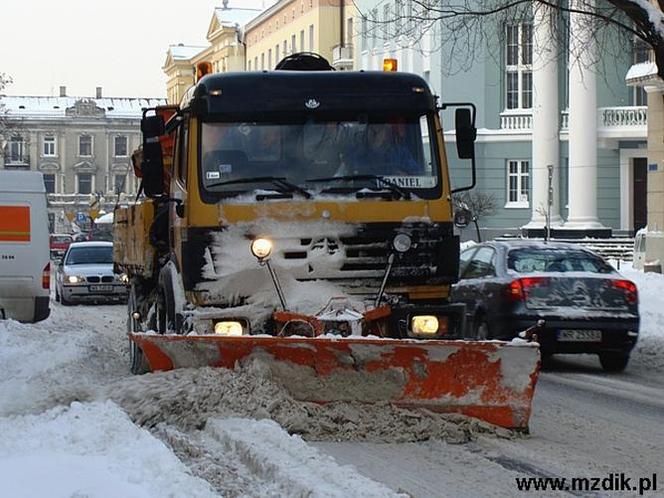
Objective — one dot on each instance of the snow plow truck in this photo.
(303, 216)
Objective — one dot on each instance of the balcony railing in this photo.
(17, 161)
(609, 120)
(342, 57)
(516, 120)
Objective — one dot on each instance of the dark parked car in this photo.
(588, 306)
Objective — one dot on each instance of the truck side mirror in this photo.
(466, 133)
(152, 169)
(152, 162)
(152, 126)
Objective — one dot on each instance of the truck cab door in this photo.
(178, 213)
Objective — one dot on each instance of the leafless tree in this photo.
(466, 28)
(4, 81)
(480, 204)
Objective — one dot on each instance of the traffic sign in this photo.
(81, 217)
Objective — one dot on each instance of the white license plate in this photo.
(580, 335)
(101, 288)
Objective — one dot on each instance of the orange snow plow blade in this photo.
(491, 381)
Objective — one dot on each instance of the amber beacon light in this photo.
(390, 65)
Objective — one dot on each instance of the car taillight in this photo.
(46, 276)
(517, 289)
(629, 287)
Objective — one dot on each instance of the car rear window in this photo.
(61, 238)
(543, 260)
(90, 255)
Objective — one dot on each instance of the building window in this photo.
(16, 150)
(49, 183)
(518, 66)
(120, 147)
(85, 145)
(256, 63)
(349, 31)
(84, 183)
(285, 48)
(119, 184)
(311, 37)
(263, 61)
(248, 65)
(518, 183)
(293, 44)
(276, 54)
(48, 147)
(302, 49)
(269, 59)
(51, 222)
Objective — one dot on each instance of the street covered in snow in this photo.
(74, 422)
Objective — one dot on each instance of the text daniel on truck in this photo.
(304, 215)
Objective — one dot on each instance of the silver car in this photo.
(86, 274)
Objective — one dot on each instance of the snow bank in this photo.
(50, 364)
(649, 350)
(277, 457)
(90, 450)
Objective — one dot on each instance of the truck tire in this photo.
(138, 364)
(169, 315)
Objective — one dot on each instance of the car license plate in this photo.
(580, 335)
(101, 288)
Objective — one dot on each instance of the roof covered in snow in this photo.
(59, 107)
(235, 16)
(640, 71)
(185, 52)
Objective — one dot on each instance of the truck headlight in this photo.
(75, 279)
(402, 242)
(424, 325)
(228, 328)
(261, 248)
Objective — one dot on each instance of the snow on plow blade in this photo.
(491, 381)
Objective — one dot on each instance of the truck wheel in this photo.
(614, 362)
(168, 314)
(138, 364)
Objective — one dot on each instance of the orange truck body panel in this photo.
(14, 224)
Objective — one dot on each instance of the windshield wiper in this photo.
(349, 178)
(277, 181)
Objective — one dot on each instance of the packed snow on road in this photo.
(74, 422)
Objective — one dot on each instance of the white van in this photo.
(25, 268)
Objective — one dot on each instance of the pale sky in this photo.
(119, 45)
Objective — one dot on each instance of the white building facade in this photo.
(540, 114)
(82, 146)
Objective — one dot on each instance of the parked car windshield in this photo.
(90, 255)
(555, 260)
(397, 149)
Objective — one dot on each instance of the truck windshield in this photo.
(395, 149)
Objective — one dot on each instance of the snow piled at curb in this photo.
(649, 350)
(277, 457)
(90, 450)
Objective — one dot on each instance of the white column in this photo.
(582, 122)
(545, 141)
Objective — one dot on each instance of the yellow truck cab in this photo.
(289, 184)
